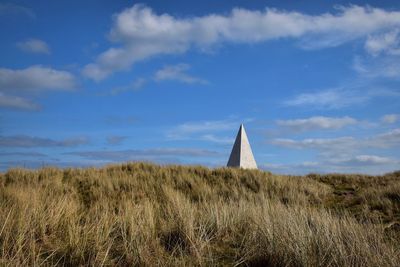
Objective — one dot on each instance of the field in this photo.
(140, 214)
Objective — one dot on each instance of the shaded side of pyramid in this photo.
(242, 155)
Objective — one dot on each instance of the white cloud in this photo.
(340, 97)
(216, 139)
(330, 99)
(34, 46)
(316, 123)
(387, 66)
(204, 126)
(16, 102)
(177, 73)
(368, 164)
(144, 34)
(388, 43)
(22, 154)
(13, 9)
(317, 143)
(219, 131)
(385, 140)
(33, 141)
(189, 128)
(34, 79)
(365, 160)
(136, 85)
(117, 120)
(16, 86)
(385, 45)
(145, 154)
(390, 118)
(115, 139)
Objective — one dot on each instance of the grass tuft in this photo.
(142, 214)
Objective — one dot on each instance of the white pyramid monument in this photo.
(241, 155)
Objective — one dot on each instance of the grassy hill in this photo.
(140, 214)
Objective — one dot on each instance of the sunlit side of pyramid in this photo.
(241, 155)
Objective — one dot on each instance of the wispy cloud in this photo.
(339, 97)
(317, 143)
(13, 9)
(16, 102)
(385, 60)
(330, 99)
(115, 139)
(380, 67)
(142, 33)
(291, 168)
(32, 141)
(188, 129)
(317, 123)
(120, 120)
(390, 118)
(136, 85)
(367, 164)
(386, 43)
(216, 139)
(35, 46)
(22, 154)
(39, 163)
(365, 160)
(385, 140)
(146, 154)
(177, 73)
(388, 139)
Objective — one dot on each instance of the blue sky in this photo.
(88, 83)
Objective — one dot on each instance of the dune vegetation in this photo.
(141, 214)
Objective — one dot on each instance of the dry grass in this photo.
(141, 214)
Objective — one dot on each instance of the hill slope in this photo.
(146, 215)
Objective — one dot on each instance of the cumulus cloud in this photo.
(32, 141)
(18, 85)
(316, 123)
(16, 102)
(390, 118)
(143, 33)
(34, 79)
(177, 73)
(35, 46)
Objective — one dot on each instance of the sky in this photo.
(91, 83)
